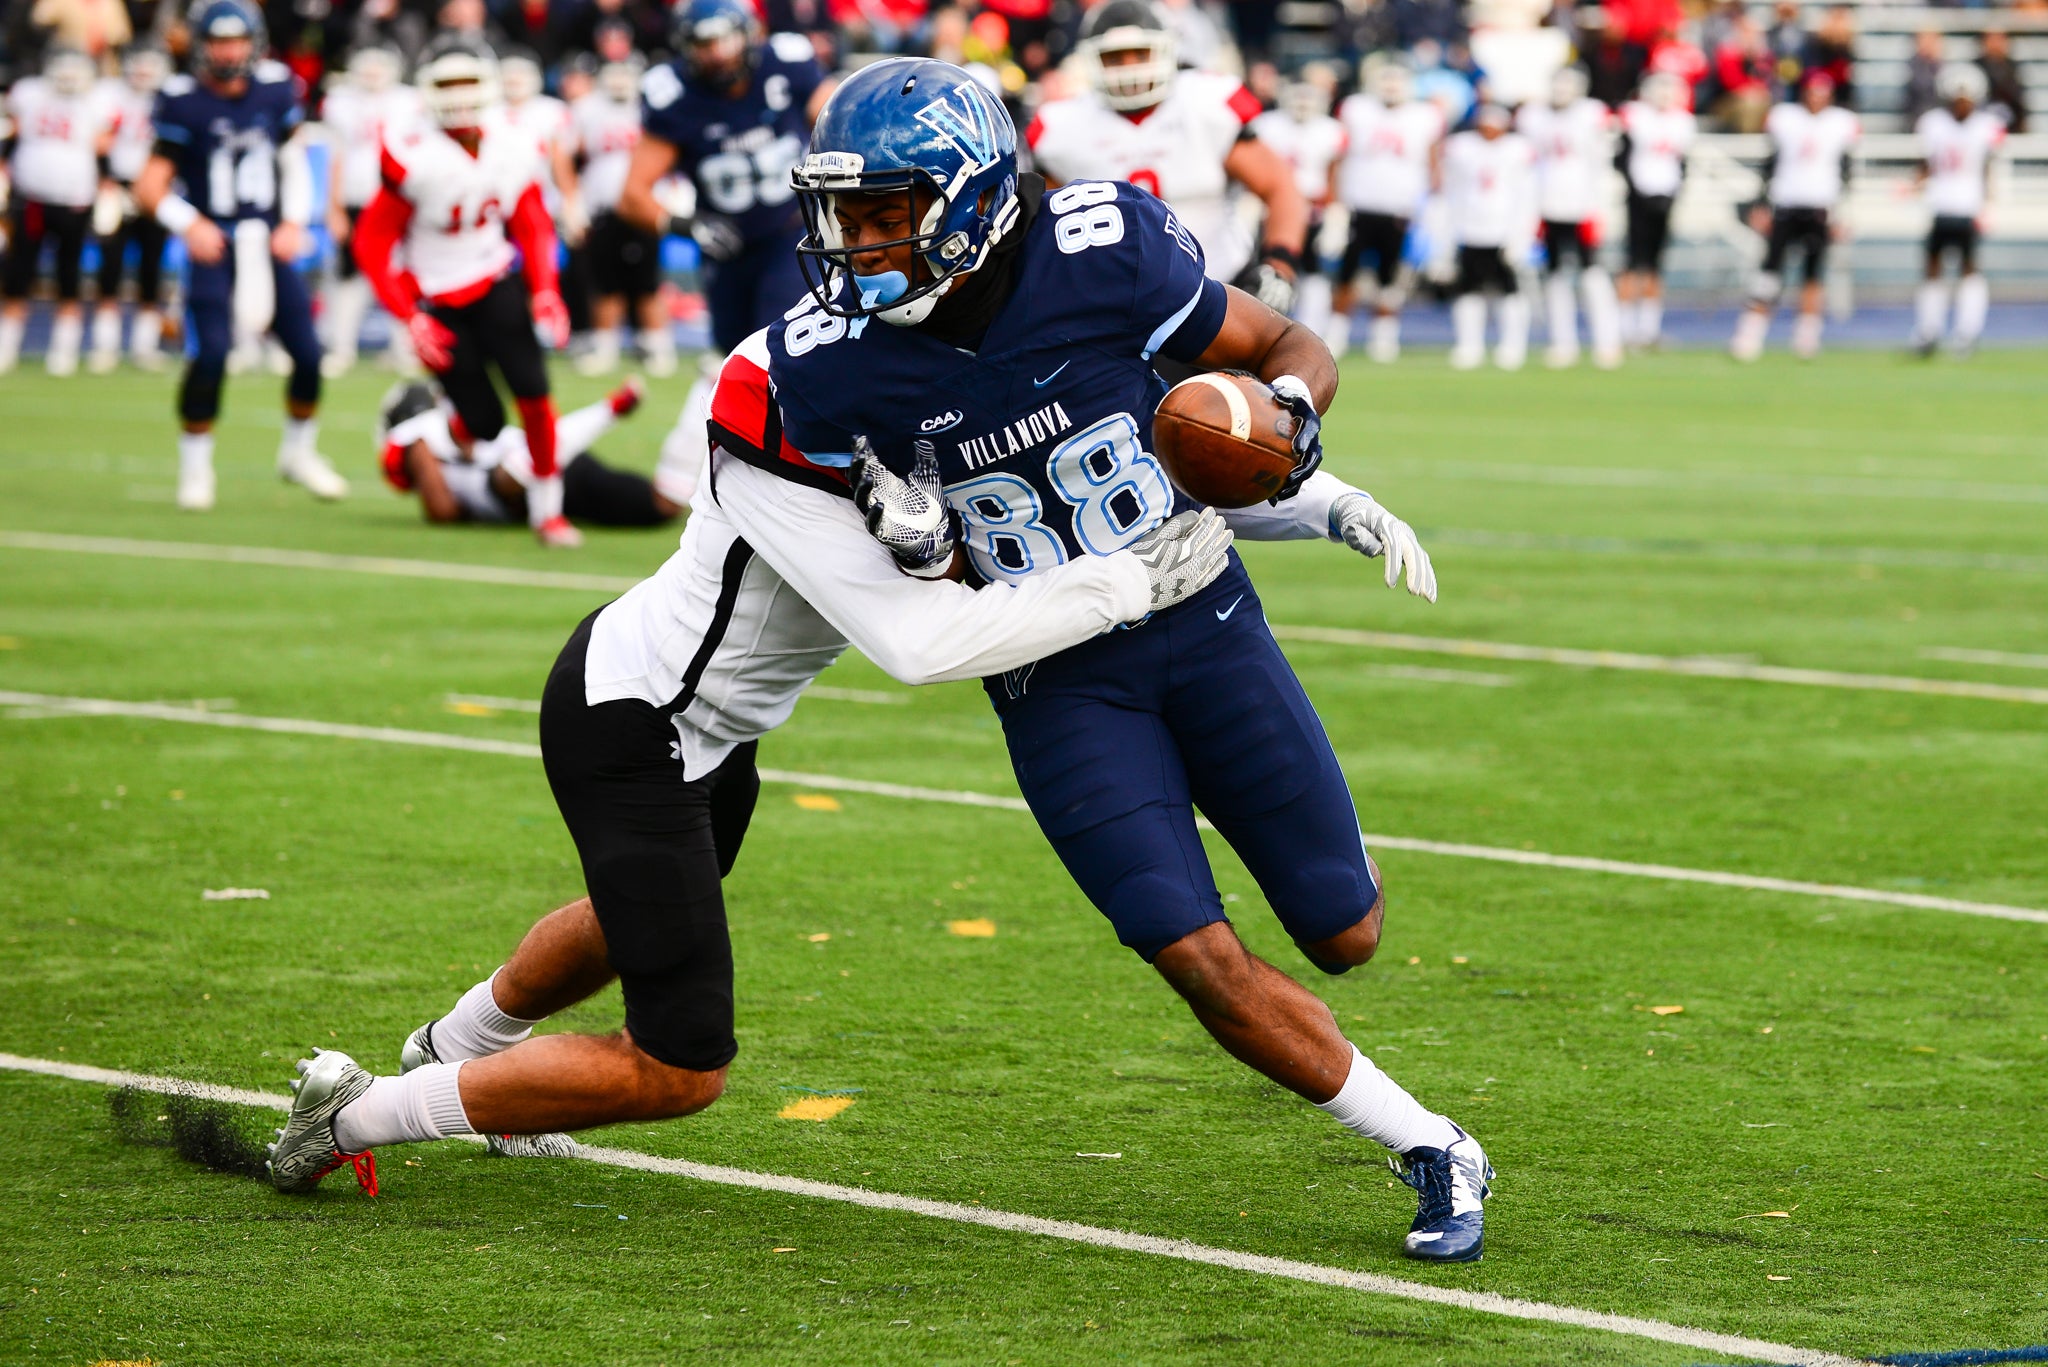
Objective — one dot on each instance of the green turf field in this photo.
(1870, 1071)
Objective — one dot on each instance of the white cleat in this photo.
(1607, 358)
(336, 364)
(195, 490)
(1466, 358)
(305, 1150)
(1561, 358)
(102, 362)
(311, 470)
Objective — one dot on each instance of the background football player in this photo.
(1956, 146)
(61, 127)
(1491, 208)
(1184, 136)
(1392, 145)
(1657, 132)
(424, 449)
(1302, 131)
(132, 96)
(225, 135)
(941, 275)
(625, 258)
(460, 189)
(371, 103)
(1574, 150)
(1804, 177)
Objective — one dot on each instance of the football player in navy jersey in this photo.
(226, 177)
(732, 113)
(973, 336)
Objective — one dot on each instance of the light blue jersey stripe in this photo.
(1172, 325)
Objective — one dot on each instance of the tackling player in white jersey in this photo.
(117, 224)
(1657, 132)
(1804, 179)
(625, 258)
(1488, 190)
(62, 126)
(1184, 136)
(1957, 142)
(371, 105)
(1302, 131)
(460, 189)
(1393, 146)
(1573, 144)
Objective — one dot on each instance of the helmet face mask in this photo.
(1664, 91)
(1568, 85)
(375, 70)
(229, 35)
(1392, 82)
(69, 71)
(620, 81)
(720, 41)
(1302, 101)
(1959, 83)
(519, 78)
(925, 131)
(1130, 54)
(459, 84)
(146, 69)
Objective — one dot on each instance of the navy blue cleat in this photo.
(1450, 1225)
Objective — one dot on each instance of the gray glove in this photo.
(909, 516)
(717, 237)
(1371, 530)
(1183, 555)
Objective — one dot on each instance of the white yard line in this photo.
(1591, 659)
(1482, 1302)
(42, 705)
(1690, 665)
(1960, 655)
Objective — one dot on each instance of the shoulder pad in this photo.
(662, 86)
(178, 85)
(268, 72)
(792, 47)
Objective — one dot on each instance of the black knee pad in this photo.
(199, 394)
(304, 385)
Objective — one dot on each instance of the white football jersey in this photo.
(460, 202)
(1176, 150)
(468, 477)
(56, 152)
(1308, 147)
(360, 123)
(1810, 148)
(134, 135)
(1573, 151)
(604, 132)
(1487, 188)
(1957, 152)
(1658, 141)
(1386, 154)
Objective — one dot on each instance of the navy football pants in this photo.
(1117, 741)
(752, 290)
(209, 299)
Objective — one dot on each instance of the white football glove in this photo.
(909, 516)
(1183, 555)
(1371, 530)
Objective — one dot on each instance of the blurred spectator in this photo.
(1443, 84)
(384, 23)
(1833, 49)
(98, 28)
(1029, 29)
(1201, 42)
(1672, 52)
(1921, 72)
(1415, 22)
(1744, 72)
(2008, 88)
(472, 19)
(1787, 40)
(646, 19)
(1640, 21)
(1614, 66)
(1262, 78)
(881, 25)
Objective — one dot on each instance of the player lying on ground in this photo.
(226, 137)
(974, 332)
(648, 728)
(460, 190)
(424, 449)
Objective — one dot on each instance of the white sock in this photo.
(67, 334)
(11, 329)
(195, 453)
(425, 1103)
(578, 430)
(1806, 335)
(1603, 312)
(1750, 330)
(1930, 311)
(148, 335)
(1513, 347)
(1650, 320)
(1374, 1105)
(1468, 329)
(300, 437)
(1561, 319)
(1973, 303)
(1337, 334)
(476, 1027)
(1385, 344)
(106, 330)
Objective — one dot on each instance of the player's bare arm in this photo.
(203, 237)
(653, 158)
(1271, 346)
(1265, 173)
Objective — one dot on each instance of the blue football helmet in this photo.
(910, 126)
(720, 41)
(217, 20)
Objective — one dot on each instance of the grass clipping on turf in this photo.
(212, 1134)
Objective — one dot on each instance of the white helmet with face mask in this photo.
(458, 80)
(1130, 54)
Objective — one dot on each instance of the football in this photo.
(1224, 439)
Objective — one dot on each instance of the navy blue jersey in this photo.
(739, 151)
(1044, 437)
(225, 148)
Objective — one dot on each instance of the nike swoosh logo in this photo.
(1040, 384)
(1224, 614)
